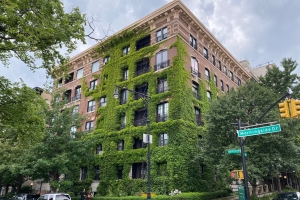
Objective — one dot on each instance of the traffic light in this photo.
(294, 108)
(284, 109)
(237, 174)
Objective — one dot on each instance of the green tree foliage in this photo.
(38, 29)
(280, 81)
(265, 152)
(22, 125)
(61, 150)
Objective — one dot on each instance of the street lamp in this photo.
(146, 98)
(31, 184)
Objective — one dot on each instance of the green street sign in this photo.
(259, 131)
(235, 151)
(241, 191)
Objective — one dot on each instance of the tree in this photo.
(265, 152)
(280, 81)
(38, 29)
(22, 124)
(62, 148)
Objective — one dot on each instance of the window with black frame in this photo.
(161, 60)
(162, 112)
(193, 42)
(91, 106)
(163, 139)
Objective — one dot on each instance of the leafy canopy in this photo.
(38, 29)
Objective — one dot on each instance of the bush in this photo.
(25, 189)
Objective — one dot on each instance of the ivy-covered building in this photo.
(170, 56)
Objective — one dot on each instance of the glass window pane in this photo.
(79, 73)
(95, 66)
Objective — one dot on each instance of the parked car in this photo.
(287, 196)
(25, 197)
(55, 196)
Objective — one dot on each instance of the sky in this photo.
(259, 31)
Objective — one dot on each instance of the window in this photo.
(75, 109)
(162, 112)
(105, 60)
(59, 83)
(227, 88)
(125, 74)
(163, 139)
(93, 84)
(162, 169)
(123, 122)
(126, 50)
(141, 91)
(91, 106)
(142, 67)
(198, 116)
(193, 42)
(119, 172)
(239, 82)
(161, 60)
(205, 53)
(161, 34)
(220, 66)
(121, 145)
(207, 74)
(216, 80)
(102, 101)
(95, 66)
(208, 93)
(70, 78)
(105, 77)
(124, 96)
(222, 85)
(225, 69)
(162, 86)
(83, 173)
(89, 125)
(68, 96)
(213, 60)
(79, 73)
(194, 66)
(138, 170)
(73, 131)
(140, 117)
(97, 173)
(231, 75)
(77, 93)
(138, 144)
(195, 89)
(144, 42)
(99, 149)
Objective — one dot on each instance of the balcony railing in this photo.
(199, 122)
(196, 95)
(140, 122)
(195, 73)
(144, 69)
(76, 97)
(161, 65)
(140, 95)
(162, 89)
(161, 118)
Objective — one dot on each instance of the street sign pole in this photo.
(244, 164)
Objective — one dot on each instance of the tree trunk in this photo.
(278, 184)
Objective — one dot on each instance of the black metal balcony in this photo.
(161, 65)
(140, 95)
(140, 122)
(161, 118)
(162, 89)
(195, 73)
(76, 97)
(142, 70)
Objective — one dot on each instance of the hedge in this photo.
(182, 196)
